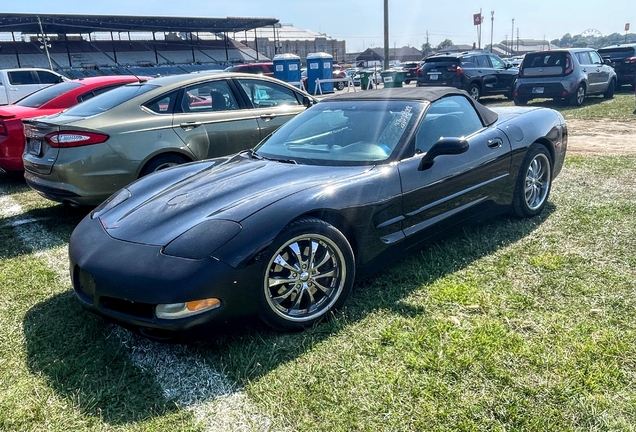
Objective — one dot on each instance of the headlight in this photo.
(113, 201)
(203, 239)
(182, 310)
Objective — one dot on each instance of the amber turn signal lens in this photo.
(203, 304)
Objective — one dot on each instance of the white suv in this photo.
(18, 83)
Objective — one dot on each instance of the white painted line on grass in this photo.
(185, 378)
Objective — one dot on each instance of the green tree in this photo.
(445, 44)
(426, 49)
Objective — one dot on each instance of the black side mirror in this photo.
(307, 101)
(445, 146)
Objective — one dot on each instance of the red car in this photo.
(49, 100)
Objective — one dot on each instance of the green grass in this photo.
(506, 325)
(620, 108)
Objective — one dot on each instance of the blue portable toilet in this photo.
(319, 66)
(287, 68)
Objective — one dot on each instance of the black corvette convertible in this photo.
(281, 231)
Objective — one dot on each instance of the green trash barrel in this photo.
(364, 79)
(392, 78)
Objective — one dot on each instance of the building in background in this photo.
(286, 38)
(375, 56)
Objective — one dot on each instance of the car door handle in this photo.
(268, 117)
(495, 143)
(190, 125)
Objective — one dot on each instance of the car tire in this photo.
(609, 93)
(340, 85)
(511, 93)
(407, 82)
(474, 91)
(520, 101)
(308, 272)
(161, 162)
(578, 97)
(534, 182)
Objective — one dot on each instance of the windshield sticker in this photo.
(405, 115)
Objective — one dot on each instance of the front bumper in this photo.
(124, 282)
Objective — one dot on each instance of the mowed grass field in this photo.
(505, 325)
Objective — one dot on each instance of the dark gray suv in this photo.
(623, 58)
(480, 73)
(565, 74)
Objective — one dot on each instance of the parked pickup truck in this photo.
(18, 83)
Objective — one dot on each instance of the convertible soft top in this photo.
(429, 94)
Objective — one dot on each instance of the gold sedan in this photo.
(88, 152)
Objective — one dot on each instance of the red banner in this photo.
(477, 18)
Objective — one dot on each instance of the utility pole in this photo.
(512, 37)
(492, 27)
(386, 34)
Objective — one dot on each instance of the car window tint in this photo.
(583, 58)
(264, 94)
(39, 98)
(21, 78)
(452, 116)
(164, 103)
(48, 77)
(497, 63)
(208, 96)
(482, 61)
(596, 59)
(109, 100)
(91, 94)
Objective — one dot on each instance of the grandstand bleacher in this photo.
(172, 52)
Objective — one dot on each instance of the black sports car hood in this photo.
(166, 204)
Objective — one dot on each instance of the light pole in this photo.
(44, 40)
(492, 27)
(386, 34)
(512, 37)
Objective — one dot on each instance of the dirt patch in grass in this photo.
(601, 137)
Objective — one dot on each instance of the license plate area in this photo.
(433, 76)
(537, 90)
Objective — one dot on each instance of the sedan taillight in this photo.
(64, 139)
(630, 60)
(568, 64)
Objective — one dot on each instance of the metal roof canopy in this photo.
(75, 24)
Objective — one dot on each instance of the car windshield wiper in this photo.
(255, 155)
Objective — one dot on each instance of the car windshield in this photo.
(110, 99)
(344, 133)
(40, 97)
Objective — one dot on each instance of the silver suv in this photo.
(566, 74)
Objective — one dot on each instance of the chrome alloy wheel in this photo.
(537, 183)
(305, 277)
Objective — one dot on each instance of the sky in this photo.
(361, 22)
